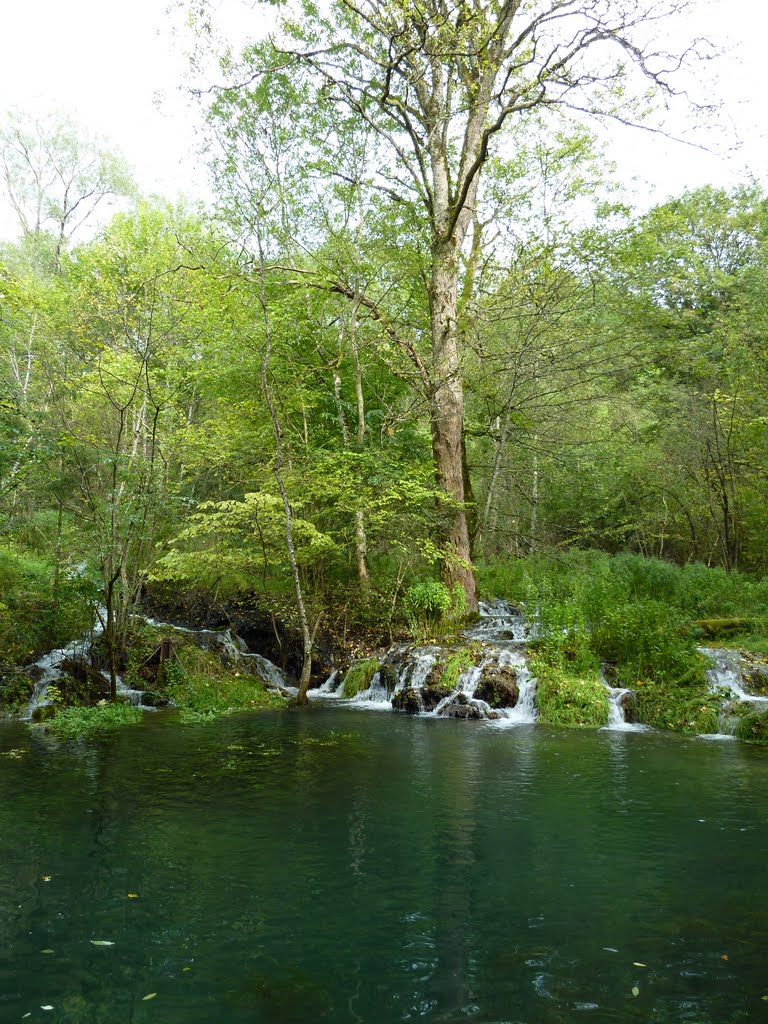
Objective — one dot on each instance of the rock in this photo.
(153, 699)
(43, 713)
(432, 695)
(498, 687)
(628, 705)
(407, 700)
(388, 678)
(460, 707)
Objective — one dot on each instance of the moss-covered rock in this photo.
(388, 678)
(408, 700)
(714, 628)
(498, 687)
(359, 676)
(461, 707)
(752, 727)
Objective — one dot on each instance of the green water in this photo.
(355, 866)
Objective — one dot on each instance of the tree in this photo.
(55, 177)
(437, 85)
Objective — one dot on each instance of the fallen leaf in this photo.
(724, 956)
(189, 969)
(46, 878)
(133, 895)
(150, 996)
(764, 998)
(47, 950)
(101, 942)
(49, 1007)
(635, 991)
(636, 964)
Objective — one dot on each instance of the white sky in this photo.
(117, 68)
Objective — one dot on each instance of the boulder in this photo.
(498, 687)
(388, 678)
(432, 695)
(407, 700)
(460, 707)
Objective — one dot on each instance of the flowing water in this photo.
(330, 864)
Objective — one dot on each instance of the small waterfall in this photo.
(496, 640)
(48, 669)
(727, 673)
(617, 721)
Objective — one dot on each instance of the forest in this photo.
(384, 373)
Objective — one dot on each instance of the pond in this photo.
(352, 866)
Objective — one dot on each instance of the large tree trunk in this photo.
(447, 417)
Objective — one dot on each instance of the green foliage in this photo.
(359, 676)
(76, 722)
(202, 689)
(456, 664)
(691, 709)
(569, 700)
(432, 609)
(33, 617)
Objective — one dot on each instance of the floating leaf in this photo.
(48, 1007)
(636, 964)
(189, 969)
(635, 991)
(724, 956)
(150, 996)
(133, 895)
(47, 950)
(764, 998)
(46, 878)
(101, 942)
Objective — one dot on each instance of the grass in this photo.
(75, 722)
(682, 709)
(567, 700)
(202, 689)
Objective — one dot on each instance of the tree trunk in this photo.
(447, 417)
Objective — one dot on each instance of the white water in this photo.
(726, 672)
(616, 719)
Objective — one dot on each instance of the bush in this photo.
(570, 700)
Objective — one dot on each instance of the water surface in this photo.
(342, 865)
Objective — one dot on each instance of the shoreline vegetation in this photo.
(633, 621)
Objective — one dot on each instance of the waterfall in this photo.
(727, 673)
(616, 719)
(497, 642)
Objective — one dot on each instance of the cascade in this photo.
(616, 717)
(50, 667)
(727, 674)
(409, 677)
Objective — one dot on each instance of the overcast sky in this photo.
(117, 68)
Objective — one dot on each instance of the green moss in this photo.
(73, 722)
(359, 676)
(714, 628)
(681, 709)
(569, 700)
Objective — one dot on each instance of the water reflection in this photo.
(350, 867)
